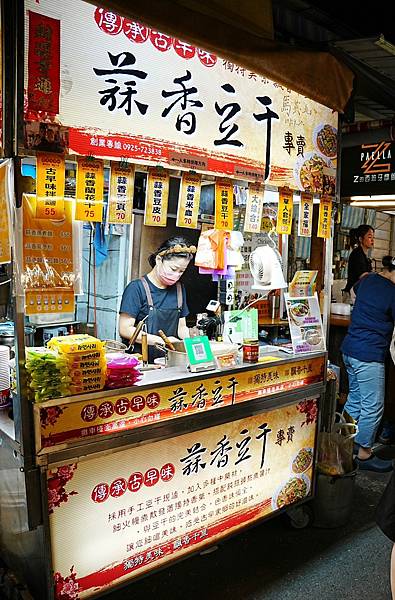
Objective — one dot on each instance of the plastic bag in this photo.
(335, 448)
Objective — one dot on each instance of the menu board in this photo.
(305, 324)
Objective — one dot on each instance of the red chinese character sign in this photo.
(132, 91)
(43, 64)
(143, 507)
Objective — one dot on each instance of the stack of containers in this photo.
(4, 377)
(85, 359)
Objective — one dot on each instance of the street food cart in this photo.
(100, 486)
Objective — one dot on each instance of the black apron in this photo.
(166, 319)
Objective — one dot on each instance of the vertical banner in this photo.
(43, 87)
(157, 198)
(50, 185)
(189, 201)
(5, 231)
(90, 184)
(254, 208)
(325, 217)
(120, 202)
(48, 266)
(305, 214)
(223, 204)
(285, 211)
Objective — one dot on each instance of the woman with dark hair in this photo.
(159, 295)
(359, 263)
(364, 351)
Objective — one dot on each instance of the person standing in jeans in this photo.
(364, 351)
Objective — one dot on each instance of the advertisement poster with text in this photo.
(115, 517)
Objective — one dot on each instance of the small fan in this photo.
(265, 267)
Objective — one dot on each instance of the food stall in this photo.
(131, 137)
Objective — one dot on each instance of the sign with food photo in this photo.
(159, 100)
(140, 508)
(305, 324)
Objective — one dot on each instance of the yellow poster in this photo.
(285, 211)
(325, 217)
(254, 208)
(305, 214)
(5, 232)
(131, 410)
(157, 198)
(120, 202)
(189, 201)
(223, 204)
(90, 187)
(48, 266)
(50, 185)
(116, 516)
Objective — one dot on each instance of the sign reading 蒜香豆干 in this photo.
(117, 516)
(129, 91)
(64, 420)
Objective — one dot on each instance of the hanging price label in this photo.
(50, 186)
(120, 203)
(254, 208)
(305, 214)
(285, 211)
(223, 204)
(188, 201)
(157, 198)
(5, 237)
(90, 184)
(325, 218)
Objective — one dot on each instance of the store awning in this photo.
(242, 32)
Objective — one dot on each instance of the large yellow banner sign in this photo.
(117, 516)
(5, 231)
(48, 267)
(59, 421)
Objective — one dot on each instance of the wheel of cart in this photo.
(300, 516)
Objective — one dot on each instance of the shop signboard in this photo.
(50, 185)
(114, 517)
(61, 421)
(305, 324)
(120, 201)
(368, 169)
(129, 91)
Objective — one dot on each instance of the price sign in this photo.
(50, 186)
(254, 208)
(305, 214)
(157, 198)
(90, 184)
(189, 200)
(223, 204)
(325, 218)
(121, 193)
(285, 211)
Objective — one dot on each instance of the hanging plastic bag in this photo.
(335, 448)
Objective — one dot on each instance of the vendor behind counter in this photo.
(159, 297)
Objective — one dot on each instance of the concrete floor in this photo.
(275, 562)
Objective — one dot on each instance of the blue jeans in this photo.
(365, 401)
